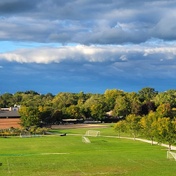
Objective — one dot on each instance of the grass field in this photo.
(69, 156)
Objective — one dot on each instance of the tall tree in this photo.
(120, 127)
(165, 110)
(135, 104)
(45, 115)
(166, 130)
(147, 94)
(148, 125)
(122, 106)
(30, 116)
(63, 100)
(166, 97)
(133, 124)
(96, 106)
(110, 97)
(73, 111)
(6, 100)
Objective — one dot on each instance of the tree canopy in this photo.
(51, 109)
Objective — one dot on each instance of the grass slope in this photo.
(68, 156)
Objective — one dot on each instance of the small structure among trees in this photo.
(9, 117)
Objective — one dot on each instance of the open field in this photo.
(69, 156)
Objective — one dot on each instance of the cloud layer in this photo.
(83, 53)
(87, 22)
(91, 45)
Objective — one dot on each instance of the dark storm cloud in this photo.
(88, 21)
(8, 7)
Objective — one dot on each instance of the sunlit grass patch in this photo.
(69, 156)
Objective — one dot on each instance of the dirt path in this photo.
(145, 140)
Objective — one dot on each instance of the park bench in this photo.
(63, 134)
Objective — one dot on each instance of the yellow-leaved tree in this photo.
(166, 130)
(148, 125)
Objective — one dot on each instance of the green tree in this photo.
(110, 97)
(32, 99)
(120, 127)
(47, 100)
(122, 106)
(148, 125)
(95, 106)
(133, 124)
(81, 97)
(63, 100)
(147, 94)
(45, 115)
(166, 97)
(165, 110)
(135, 104)
(6, 100)
(57, 116)
(17, 97)
(29, 116)
(166, 130)
(73, 111)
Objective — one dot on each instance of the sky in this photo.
(53, 46)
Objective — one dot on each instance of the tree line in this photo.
(154, 126)
(51, 109)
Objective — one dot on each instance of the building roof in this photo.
(6, 114)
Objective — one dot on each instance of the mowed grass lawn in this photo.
(69, 156)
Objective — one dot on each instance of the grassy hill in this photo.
(68, 156)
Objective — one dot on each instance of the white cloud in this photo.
(82, 53)
(123, 58)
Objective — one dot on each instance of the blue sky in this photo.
(87, 45)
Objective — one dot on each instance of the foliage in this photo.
(110, 97)
(10, 132)
(122, 106)
(148, 125)
(6, 100)
(133, 126)
(164, 110)
(147, 106)
(29, 116)
(120, 127)
(51, 109)
(166, 97)
(135, 104)
(96, 106)
(152, 126)
(147, 94)
(17, 132)
(166, 130)
(64, 100)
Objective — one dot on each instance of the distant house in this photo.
(109, 118)
(9, 117)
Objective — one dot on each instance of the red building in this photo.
(9, 117)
